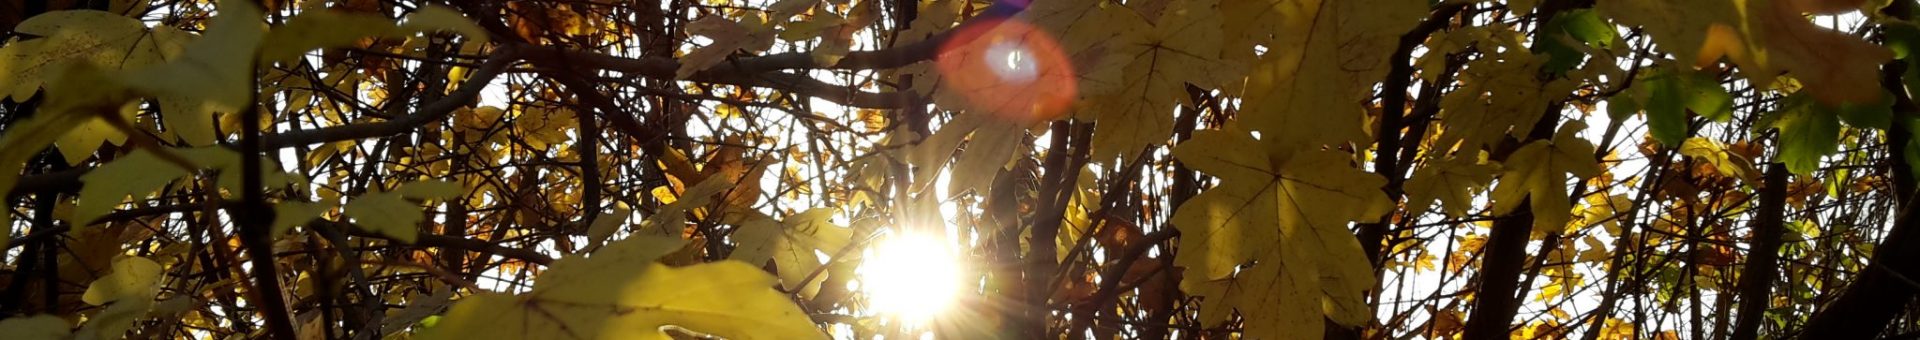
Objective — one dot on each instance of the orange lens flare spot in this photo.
(1009, 69)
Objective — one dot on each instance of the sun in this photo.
(911, 276)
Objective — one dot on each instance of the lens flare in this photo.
(1009, 69)
(912, 276)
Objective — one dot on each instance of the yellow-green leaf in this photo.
(673, 216)
(605, 225)
(312, 30)
(1765, 38)
(1155, 65)
(794, 245)
(386, 213)
(132, 278)
(108, 40)
(1454, 182)
(1286, 214)
(1537, 173)
(1321, 63)
(289, 214)
(217, 68)
(615, 294)
(37, 327)
(136, 174)
(390, 213)
(27, 137)
(751, 34)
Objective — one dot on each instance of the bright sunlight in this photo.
(912, 276)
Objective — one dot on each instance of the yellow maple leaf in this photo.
(1537, 173)
(389, 213)
(751, 33)
(793, 244)
(1320, 65)
(1764, 38)
(131, 278)
(1155, 64)
(37, 327)
(1454, 182)
(1288, 215)
(621, 292)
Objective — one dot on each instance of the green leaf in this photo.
(621, 293)
(1589, 27)
(431, 189)
(1666, 109)
(1675, 92)
(1621, 107)
(1902, 38)
(1877, 114)
(1808, 131)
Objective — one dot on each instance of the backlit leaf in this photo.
(1537, 173)
(627, 295)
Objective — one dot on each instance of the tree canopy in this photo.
(972, 169)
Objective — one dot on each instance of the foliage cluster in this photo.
(1264, 169)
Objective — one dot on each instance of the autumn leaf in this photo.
(312, 30)
(1764, 38)
(1454, 182)
(620, 292)
(604, 226)
(28, 136)
(128, 294)
(289, 214)
(105, 40)
(136, 174)
(389, 213)
(1537, 173)
(110, 41)
(218, 67)
(1287, 215)
(751, 34)
(1322, 62)
(1499, 97)
(1725, 162)
(37, 327)
(794, 244)
(131, 278)
(672, 217)
(1154, 65)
